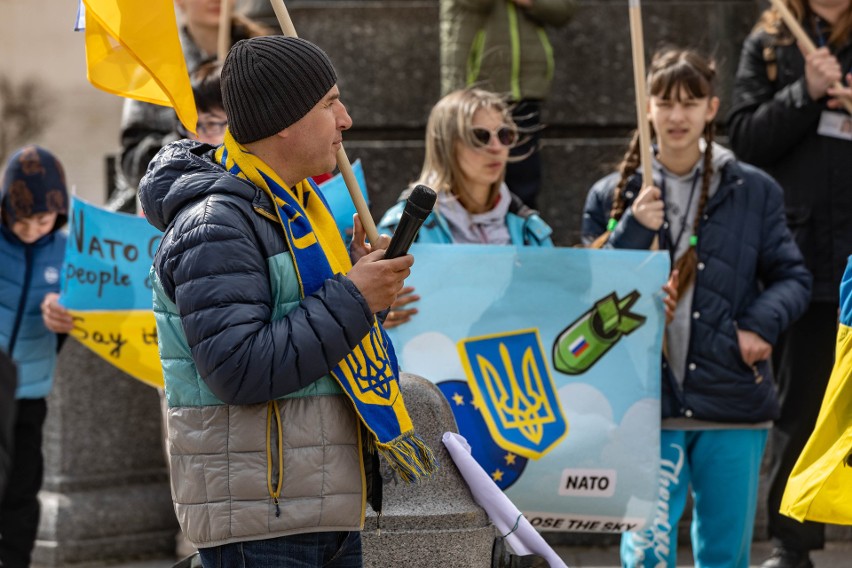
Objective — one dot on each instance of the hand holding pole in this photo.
(805, 41)
(637, 42)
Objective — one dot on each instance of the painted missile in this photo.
(590, 336)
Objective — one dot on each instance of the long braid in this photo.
(688, 262)
(628, 166)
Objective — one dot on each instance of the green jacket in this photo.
(499, 45)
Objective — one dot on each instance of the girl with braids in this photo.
(787, 118)
(741, 282)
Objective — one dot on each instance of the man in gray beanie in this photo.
(257, 304)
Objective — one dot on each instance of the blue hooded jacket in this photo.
(34, 182)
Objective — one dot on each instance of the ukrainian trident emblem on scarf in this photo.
(369, 372)
(512, 388)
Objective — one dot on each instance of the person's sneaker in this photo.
(785, 558)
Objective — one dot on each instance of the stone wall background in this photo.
(386, 54)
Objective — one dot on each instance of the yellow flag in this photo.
(133, 50)
(125, 338)
(820, 485)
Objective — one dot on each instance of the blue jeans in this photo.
(308, 550)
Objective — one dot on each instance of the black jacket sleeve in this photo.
(8, 384)
(145, 129)
(628, 233)
(769, 118)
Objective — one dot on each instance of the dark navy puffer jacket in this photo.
(750, 276)
(213, 263)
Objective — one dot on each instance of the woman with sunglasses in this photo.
(468, 137)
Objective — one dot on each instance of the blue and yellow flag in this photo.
(133, 50)
(820, 485)
(105, 285)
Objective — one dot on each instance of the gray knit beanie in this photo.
(270, 82)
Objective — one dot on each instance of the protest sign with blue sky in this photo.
(550, 361)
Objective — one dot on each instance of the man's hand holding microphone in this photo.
(379, 270)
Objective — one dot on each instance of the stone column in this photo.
(434, 523)
(106, 493)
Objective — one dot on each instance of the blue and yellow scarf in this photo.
(369, 374)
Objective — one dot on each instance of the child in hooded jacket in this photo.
(742, 281)
(33, 209)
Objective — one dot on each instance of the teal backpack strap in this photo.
(389, 221)
(533, 231)
(540, 231)
(433, 231)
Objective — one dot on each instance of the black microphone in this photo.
(417, 208)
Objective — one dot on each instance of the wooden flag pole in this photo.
(284, 20)
(637, 42)
(343, 163)
(223, 43)
(805, 41)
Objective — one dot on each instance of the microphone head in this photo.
(421, 201)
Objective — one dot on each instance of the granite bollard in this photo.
(434, 522)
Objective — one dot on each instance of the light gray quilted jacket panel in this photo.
(219, 455)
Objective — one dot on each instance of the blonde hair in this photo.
(674, 74)
(770, 22)
(450, 123)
